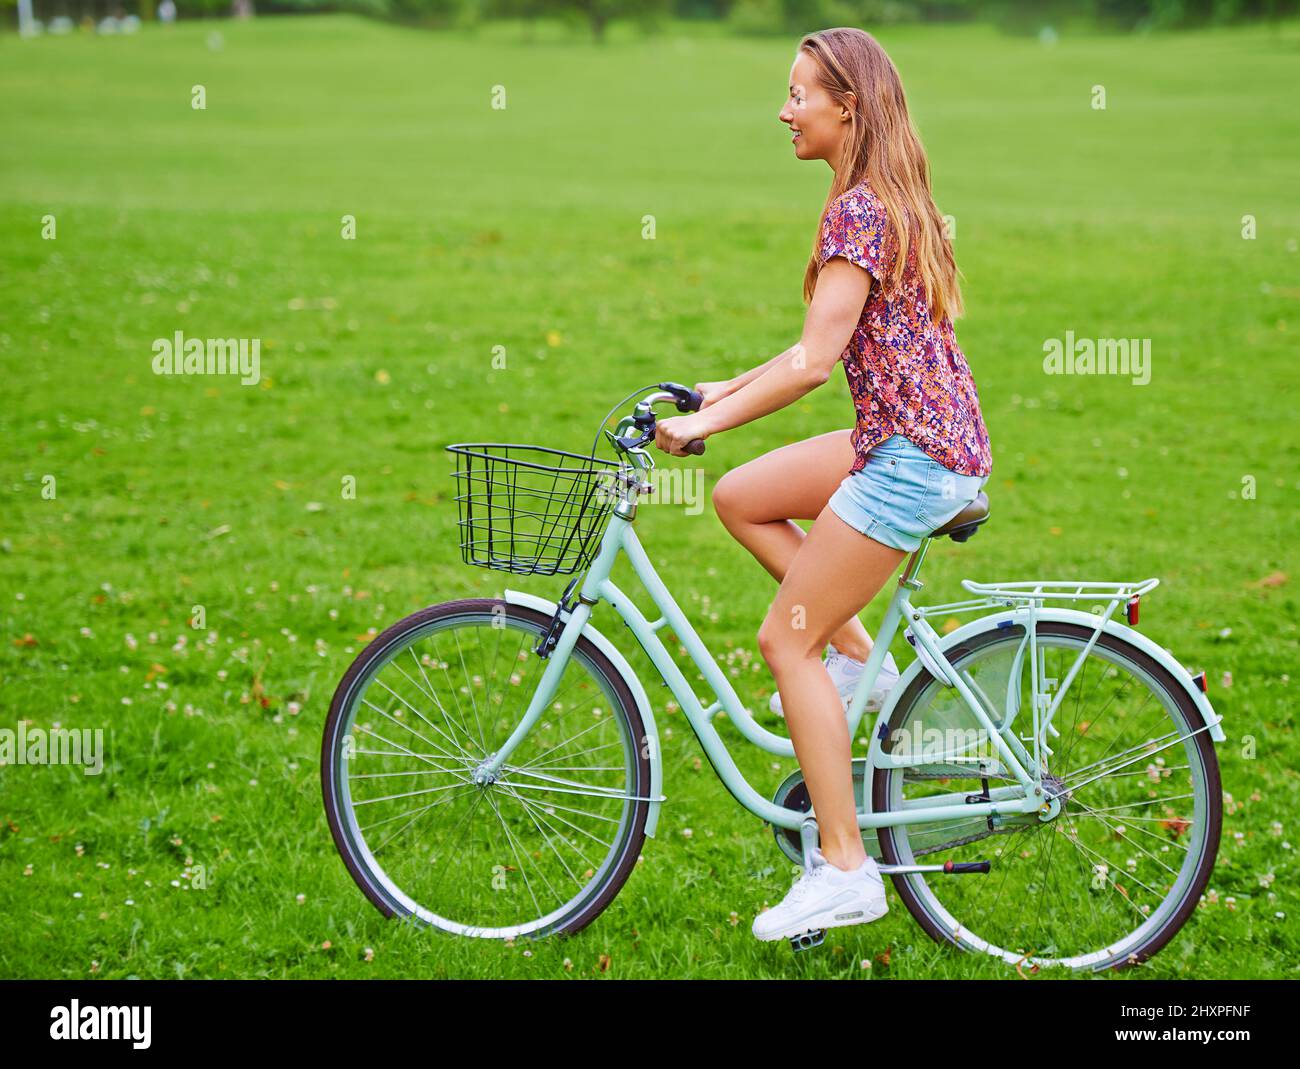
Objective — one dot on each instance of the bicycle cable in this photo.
(595, 441)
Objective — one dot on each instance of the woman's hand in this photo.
(712, 392)
(675, 433)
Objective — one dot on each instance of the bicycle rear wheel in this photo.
(543, 849)
(1117, 872)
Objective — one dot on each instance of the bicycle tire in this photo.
(364, 667)
(1153, 942)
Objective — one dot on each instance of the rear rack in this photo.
(1061, 591)
(1033, 594)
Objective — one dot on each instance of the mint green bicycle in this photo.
(1040, 785)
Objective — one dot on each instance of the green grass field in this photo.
(522, 228)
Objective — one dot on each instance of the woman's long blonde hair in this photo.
(883, 148)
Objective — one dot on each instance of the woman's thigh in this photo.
(793, 482)
(832, 578)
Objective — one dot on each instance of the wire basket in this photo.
(531, 510)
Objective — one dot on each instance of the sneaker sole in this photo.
(825, 921)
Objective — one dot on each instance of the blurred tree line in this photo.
(744, 16)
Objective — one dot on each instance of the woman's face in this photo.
(817, 123)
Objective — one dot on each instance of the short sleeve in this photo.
(856, 228)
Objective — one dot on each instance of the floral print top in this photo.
(906, 374)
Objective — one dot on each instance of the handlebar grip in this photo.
(686, 399)
(695, 445)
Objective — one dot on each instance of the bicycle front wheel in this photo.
(542, 849)
(1114, 875)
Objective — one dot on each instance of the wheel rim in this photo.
(1092, 886)
(514, 857)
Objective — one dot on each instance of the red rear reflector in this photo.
(1200, 680)
(1131, 609)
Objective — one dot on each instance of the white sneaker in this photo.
(825, 897)
(845, 672)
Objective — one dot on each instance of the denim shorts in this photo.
(902, 494)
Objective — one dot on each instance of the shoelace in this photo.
(835, 655)
(805, 882)
(835, 658)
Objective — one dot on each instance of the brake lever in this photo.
(628, 444)
(685, 400)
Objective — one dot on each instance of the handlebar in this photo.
(683, 397)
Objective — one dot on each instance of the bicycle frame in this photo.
(1022, 603)
(620, 537)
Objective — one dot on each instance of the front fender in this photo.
(1068, 616)
(543, 605)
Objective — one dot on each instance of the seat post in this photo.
(913, 566)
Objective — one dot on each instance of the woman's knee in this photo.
(729, 497)
(782, 639)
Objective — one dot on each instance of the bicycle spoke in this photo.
(1136, 846)
(551, 811)
(399, 723)
(414, 816)
(532, 811)
(428, 758)
(455, 743)
(515, 850)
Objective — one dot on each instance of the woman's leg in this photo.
(759, 501)
(835, 573)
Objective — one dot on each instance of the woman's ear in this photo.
(848, 107)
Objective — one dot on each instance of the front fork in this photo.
(555, 646)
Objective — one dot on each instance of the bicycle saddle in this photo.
(967, 521)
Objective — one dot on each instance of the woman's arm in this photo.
(838, 300)
(726, 389)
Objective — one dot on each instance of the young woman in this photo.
(882, 290)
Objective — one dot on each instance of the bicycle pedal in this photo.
(807, 940)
